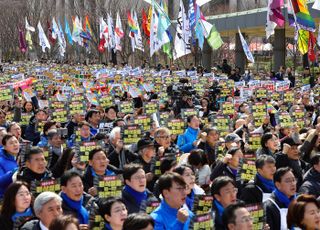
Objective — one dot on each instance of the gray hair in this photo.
(43, 198)
(113, 133)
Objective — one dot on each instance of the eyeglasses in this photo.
(292, 180)
(164, 137)
(180, 189)
(138, 177)
(246, 219)
(23, 194)
(231, 191)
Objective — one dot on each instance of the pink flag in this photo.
(275, 12)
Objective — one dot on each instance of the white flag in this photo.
(245, 47)
(316, 5)
(112, 42)
(103, 29)
(77, 29)
(181, 43)
(206, 28)
(62, 40)
(137, 36)
(118, 33)
(154, 42)
(43, 40)
(202, 2)
(55, 29)
(318, 38)
(28, 27)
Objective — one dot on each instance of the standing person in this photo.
(280, 74)
(226, 68)
(277, 205)
(16, 207)
(291, 77)
(170, 215)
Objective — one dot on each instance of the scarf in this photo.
(26, 213)
(139, 196)
(283, 198)
(190, 199)
(107, 172)
(108, 226)
(219, 206)
(83, 214)
(268, 184)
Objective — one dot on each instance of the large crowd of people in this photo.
(100, 147)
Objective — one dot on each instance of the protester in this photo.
(188, 140)
(236, 216)
(311, 180)
(47, 207)
(138, 221)
(170, 215)
(17, 207)
(277, 205)
(64, 223)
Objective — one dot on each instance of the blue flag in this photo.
(198, 29)
(68, 31)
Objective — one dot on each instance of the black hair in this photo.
(264, 159)
(189, 118)
(233, 150)
(68, 176)
(181, 168)
(105, 205)
(48, 125)
(165, 181)
(33, 151)
(280, 173)
(111, 107)
(219, 183)
(94, 151)
(166, 164)
(229, 214)
(90, 113)
(138, 221)
(315, 159)
(197, 157)
(264, 139)
(6, 138)
(130, 169)
(11, 125)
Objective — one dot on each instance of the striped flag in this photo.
(245, 47)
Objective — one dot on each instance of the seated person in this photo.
(236, 216)
(97, 168)
(47, 207)
(84, 131)
(135, 194)
(113, 211)
(188, 140)
(93, 117)
(260, 189)
(35, 167)
(75, 201)
(170, 215)
(277, 205)
(224, 193)
(138, 221)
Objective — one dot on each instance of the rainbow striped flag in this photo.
(302, 16)
(132, 24)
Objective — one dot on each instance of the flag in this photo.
(316, 5)
(22, 41)
(29, 40)
(270, 25)
(145, 25)
(291, 15)
(88, 28)
(303, 41)
(149, 19)
(55, 29)
(163, 19)
(202, 2)
(181, 43)
(132, 25)
(214, 39)
(118, 33)
(275, 14)
(245, 47)
(166, 48)
(191, 15)
(137, 37)
(51, 38)
(302, 16)
(62, 40)
(77, 29)
(43, 40)
(311, 46)
(199, 28)
(318, 39)
(112, 42)
(154, 42)
(68, 31)
(28, 27)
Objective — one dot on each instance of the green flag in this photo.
(166, 48)
(214, 39)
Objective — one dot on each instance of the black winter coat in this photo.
(311, 183)
(273, 218)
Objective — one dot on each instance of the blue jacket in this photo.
(185, 141)
(165, 217)
(43, 141)
(8, 164)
